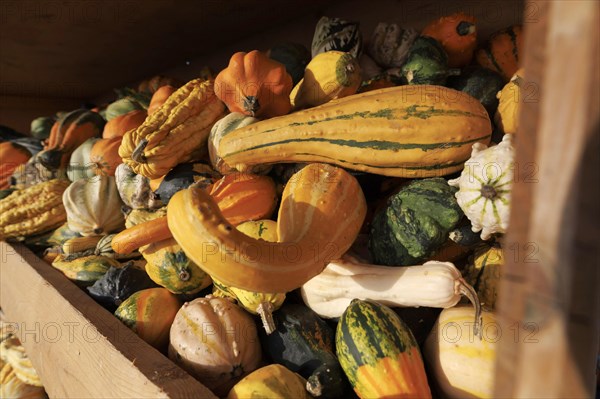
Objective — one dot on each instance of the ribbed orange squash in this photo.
(244, 196)
(105, 156)
(11, 156)
(255, 85)
(117, 127)
(321, 213)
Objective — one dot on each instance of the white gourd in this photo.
(485, 185)
(433, 284)
(93, 206)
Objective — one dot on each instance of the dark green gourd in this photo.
(415, 223)
(427, 63)
(303, 343)
(118, 284)
(481, 83)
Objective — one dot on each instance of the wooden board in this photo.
(79, 349)
(549, 300)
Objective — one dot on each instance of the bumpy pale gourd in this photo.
(485, 187)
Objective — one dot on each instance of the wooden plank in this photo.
(549, 299)
(79, 349)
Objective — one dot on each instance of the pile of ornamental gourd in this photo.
(293, 225)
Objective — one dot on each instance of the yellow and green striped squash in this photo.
(379, 354)
(406, 131)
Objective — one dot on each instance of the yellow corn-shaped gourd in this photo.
(263, 304)
(33, 210)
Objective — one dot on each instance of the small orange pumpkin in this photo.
(457, 34)
(255, 85)
(117, 127)
(502, 51)
(12, 155)
(159, 97)
(105, 156)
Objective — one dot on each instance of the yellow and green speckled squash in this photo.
(406, 131)
(84, 270)
(379, 354)
(169, 267)
(273, 381)
(260, 303)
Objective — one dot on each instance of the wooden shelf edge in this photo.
(78, 348)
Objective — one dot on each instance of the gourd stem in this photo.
(265, 311)
(488, 192)
(184, 275)
(468, 291)
(137, 154)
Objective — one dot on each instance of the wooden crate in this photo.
(549, 287)
(79, 349)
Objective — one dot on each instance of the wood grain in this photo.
(79, 349)
(549, 299)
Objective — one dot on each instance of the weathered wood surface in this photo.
(549, 298)
(79, 349)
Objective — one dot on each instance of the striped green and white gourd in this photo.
(485, 185)
(406, 131)
(379, 354)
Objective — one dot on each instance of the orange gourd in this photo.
(255, 85)
(118, 126)
(244, 196)
(105, 156)
(502, 51)
(159, 97)
(457, 34)
(239, 196)
(12, 155)
(145, 233)
(68, 133)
